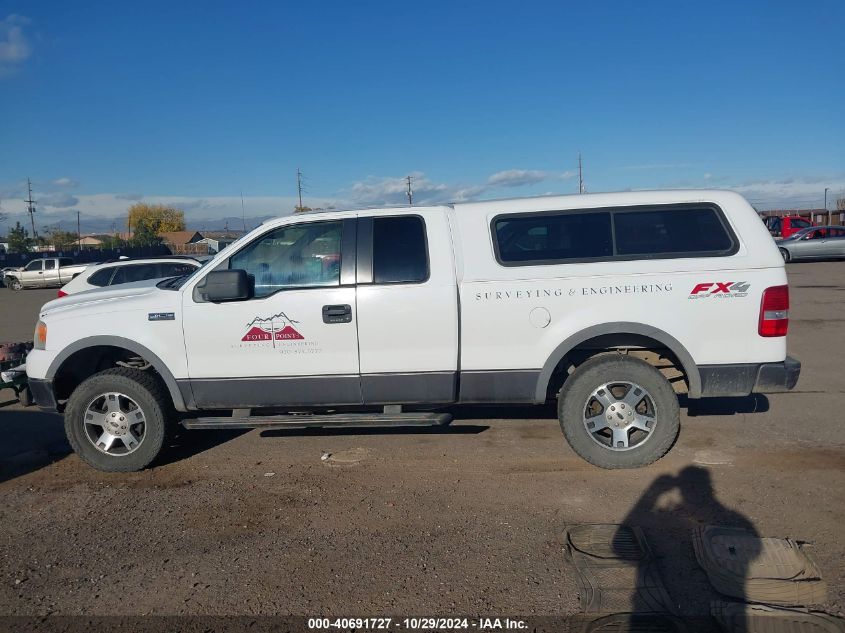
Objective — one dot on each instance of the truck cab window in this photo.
(49, 264)
(294, 256)
(34, 265)
(400, 254)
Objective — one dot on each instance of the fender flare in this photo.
(125, 343)
(620, 327)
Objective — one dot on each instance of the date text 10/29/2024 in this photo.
(421, 623)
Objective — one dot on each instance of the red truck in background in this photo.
(783, 227)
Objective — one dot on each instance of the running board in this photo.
(320, 421)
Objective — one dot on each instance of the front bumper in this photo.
(744, 379)
(43, 394)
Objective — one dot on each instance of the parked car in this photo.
(47, 272)
(128, 271)
(783, 227)
(818, 242)
(3, 272)
(608, 304)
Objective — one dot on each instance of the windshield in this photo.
(799, 234)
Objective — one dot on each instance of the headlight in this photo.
(40, 337)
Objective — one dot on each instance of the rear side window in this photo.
(138, 272)
(553, 237)
(400, 254)
(623, 233)
(101, 277)
(49, 264)
(671, 231)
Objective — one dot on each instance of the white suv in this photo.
(126, 271)
(609, 303)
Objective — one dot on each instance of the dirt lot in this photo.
(466, 520)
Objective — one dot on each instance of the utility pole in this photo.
(580, 175)
(299, 187)
(30, 207)
(825, 205)
(410, 192)
(243, 213)
(78, 234)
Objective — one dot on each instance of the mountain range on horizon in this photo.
(89, 225)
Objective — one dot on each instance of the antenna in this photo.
(30, 207)
(410, 192)
(580, 175)
(243, 213)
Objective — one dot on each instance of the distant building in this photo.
(218, 240)
(91, 241)
(184, 242)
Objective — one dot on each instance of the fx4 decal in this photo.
(720, 290)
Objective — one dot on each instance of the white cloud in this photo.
(58, 200)
(394, 190)
(14, 44)
(65, 182)
(516, 178)
(795, 193)
(522, 177)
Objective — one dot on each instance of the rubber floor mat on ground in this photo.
(767, 570)
(616, 570)
(736, 617)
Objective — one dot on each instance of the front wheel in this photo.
(15, 284)
(785, 254)
(619, 412)
(118, 420)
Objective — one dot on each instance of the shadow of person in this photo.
(668, 512)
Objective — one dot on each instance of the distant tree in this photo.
(840, 204)
(144, 235)
(113, 241)
(302, 209)
(62, 240)
(151, 220)
(19, 240)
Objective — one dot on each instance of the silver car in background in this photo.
(815, 242)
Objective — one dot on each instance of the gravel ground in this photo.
(464, 520)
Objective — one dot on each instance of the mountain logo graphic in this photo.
(278, 327)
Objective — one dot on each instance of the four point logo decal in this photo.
(278, 327)
(720, 290)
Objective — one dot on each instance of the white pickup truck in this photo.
(610, 304)
(47, 272)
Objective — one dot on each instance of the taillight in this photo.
(61, 294)
(774, 311)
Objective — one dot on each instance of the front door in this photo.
(33, 274)
(295, 343)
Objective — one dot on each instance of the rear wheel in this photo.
(785, 254)
(118, 420)
(618, 412)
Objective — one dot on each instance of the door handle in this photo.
(337, 313)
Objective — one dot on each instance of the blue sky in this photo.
(103, 103)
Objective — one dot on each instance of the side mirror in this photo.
(227, 285)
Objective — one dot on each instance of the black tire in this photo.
(25, 396)
(787, 257)
(151, 396)
(15, 284)
(575, 396)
